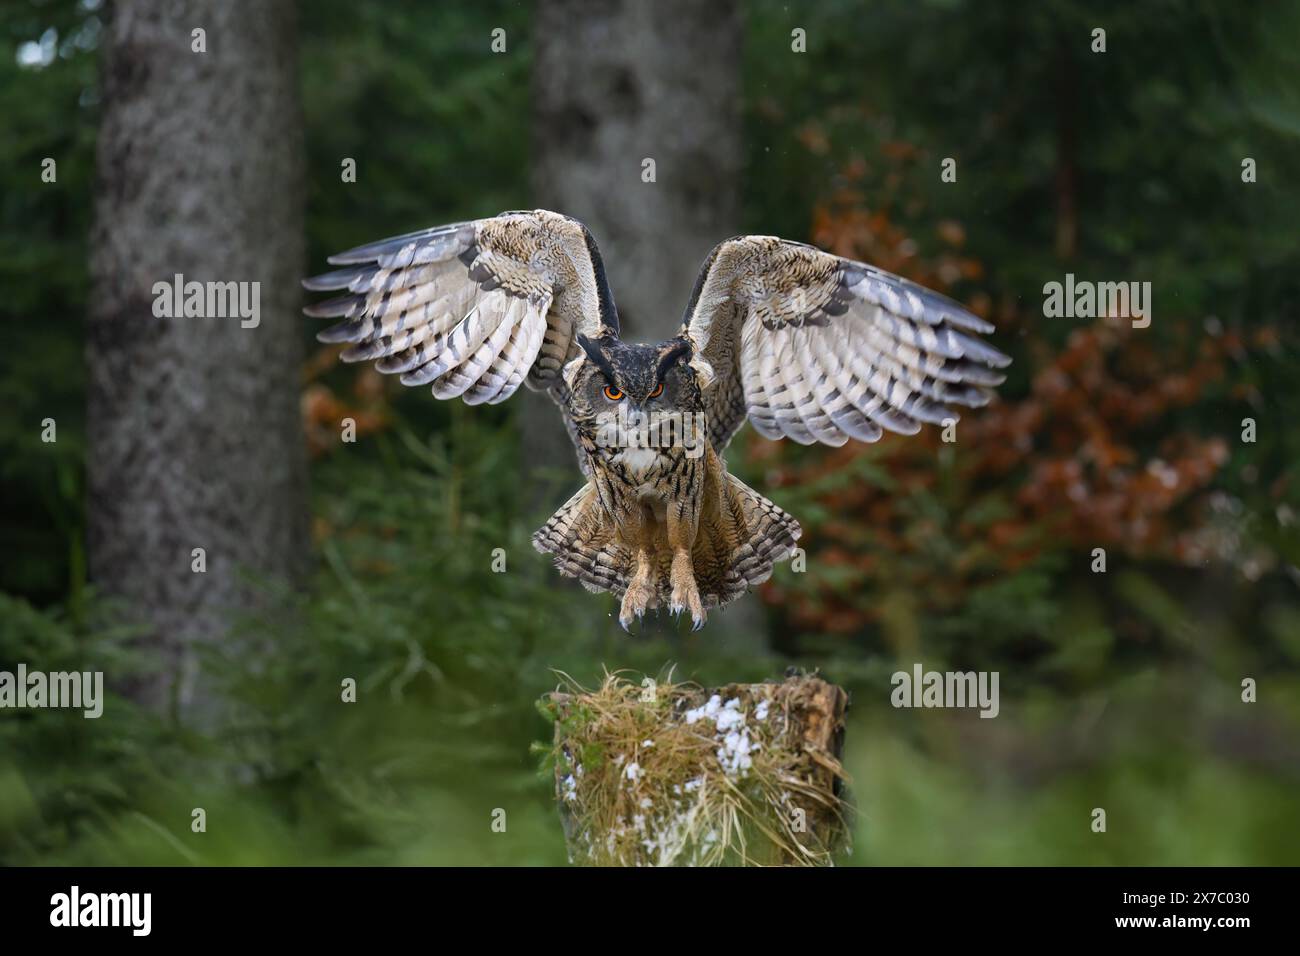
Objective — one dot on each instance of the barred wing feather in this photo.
(472, 309)
(817, 348)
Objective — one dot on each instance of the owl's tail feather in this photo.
(741, 536)
(739, 543)
(583, 541)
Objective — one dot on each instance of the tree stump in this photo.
(675, 774)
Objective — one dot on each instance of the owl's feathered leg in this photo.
(640, 590)
(683, 525)
(741, 535)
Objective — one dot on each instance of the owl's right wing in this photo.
(472, 308)
(816, 348)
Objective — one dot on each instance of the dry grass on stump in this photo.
(676, 774)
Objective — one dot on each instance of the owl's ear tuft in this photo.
(595, 351)
(670, 353)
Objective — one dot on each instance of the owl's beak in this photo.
(636, 420)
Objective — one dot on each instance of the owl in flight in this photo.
(804, 344)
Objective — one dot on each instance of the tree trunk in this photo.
(617, 83)
(194, 431)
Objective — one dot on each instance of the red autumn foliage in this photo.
(324, 409)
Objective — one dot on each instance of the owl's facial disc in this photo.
(637, 396)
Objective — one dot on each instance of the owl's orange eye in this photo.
(659, 390)
(613, 394)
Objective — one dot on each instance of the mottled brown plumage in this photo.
(805, 344)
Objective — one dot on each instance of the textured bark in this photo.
(194, 432)
(616, 82)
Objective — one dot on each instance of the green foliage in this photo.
(436, 122)
(45, 112)
(448, 658)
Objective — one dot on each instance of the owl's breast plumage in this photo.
(630, 477)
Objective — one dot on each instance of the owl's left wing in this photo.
(472, 308)
(818, 348)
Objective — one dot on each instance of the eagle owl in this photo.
(804, 344)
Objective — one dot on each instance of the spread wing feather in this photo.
(818, 348)
(473, 308)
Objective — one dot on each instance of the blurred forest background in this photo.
(1119, 690)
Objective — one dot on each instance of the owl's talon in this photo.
(635, 601)
(685, 595)
(690, 601)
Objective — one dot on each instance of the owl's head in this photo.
(612, 376)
